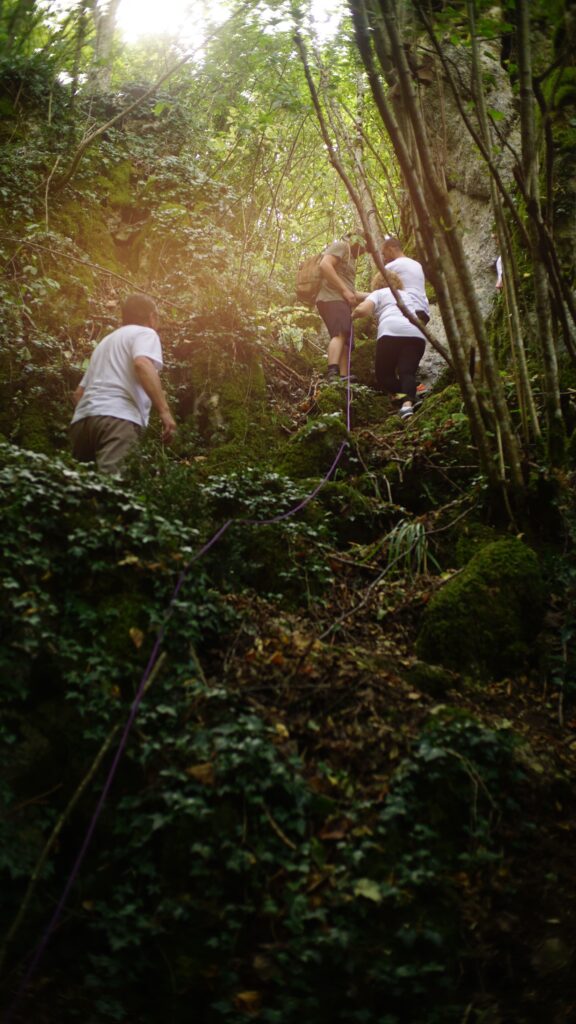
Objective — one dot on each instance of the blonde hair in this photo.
(378, 281)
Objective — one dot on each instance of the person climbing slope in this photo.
(337, 296)
(411, 273)
(120, 386)
(400, 345)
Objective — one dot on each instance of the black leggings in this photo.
(396, 364)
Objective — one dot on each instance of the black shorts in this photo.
(337, 316)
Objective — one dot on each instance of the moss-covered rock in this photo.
(432, 679)
(367, 407)
(225, 402)
(445, 410)
(362, 362)
(485, 620)
(354, 516)
(312, 450)
(471, 539)
(86, 225)
(116, 183)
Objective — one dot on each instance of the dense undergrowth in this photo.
(299, 826)
(348, 792)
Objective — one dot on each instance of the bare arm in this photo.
(328, 266)
(77, 395)
(147, 377)
(366, 308)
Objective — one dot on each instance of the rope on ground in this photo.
(147, 676)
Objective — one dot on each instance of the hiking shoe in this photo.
(421, 389)
(406, 412)
(399, 397)
(345, 377)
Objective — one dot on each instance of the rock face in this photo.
(465, 172)
(485, 619)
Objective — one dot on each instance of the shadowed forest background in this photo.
(348, 794)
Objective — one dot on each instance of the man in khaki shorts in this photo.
(338, 296)
(120, 386)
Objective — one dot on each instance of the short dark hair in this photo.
(137, 309)
(392, 241)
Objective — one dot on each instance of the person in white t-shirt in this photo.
(118, 390)
(411, 273)
(400, 345)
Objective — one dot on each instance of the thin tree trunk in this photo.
(105, 22)
(440, 206)
(521, 375)
(458, 350)
(530, 175)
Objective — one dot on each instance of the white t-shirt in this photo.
(391, 320)
(412, 276)
(110, 384)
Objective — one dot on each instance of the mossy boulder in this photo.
(471, 539)
(116, 183)
(367, 407)
(227, 407)
(312, 450)
(362, 362)
(431, 679)
(445, 410)
(354, 516)
(85, 224)
(484, 621)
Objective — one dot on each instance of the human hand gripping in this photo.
(168, 426)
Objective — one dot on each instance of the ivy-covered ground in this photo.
(319, 814)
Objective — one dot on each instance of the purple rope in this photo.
(41, 947)
(305, 501)
(348, 395)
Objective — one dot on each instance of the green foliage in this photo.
(486, 618)
(84, 565)
(408, 547)
(216, 855)
(276, 557)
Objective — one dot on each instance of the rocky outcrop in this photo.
(465, 173)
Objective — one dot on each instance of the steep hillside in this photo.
(288, 715)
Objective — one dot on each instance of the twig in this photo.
(281, 835)
(47, 189)
(283, 366)
(196, 661)
(449, 526)
(34, 799)
(38, 867)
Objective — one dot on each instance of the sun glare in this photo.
(184, 20)
(179, 19)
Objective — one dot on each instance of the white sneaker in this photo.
(406, 411)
